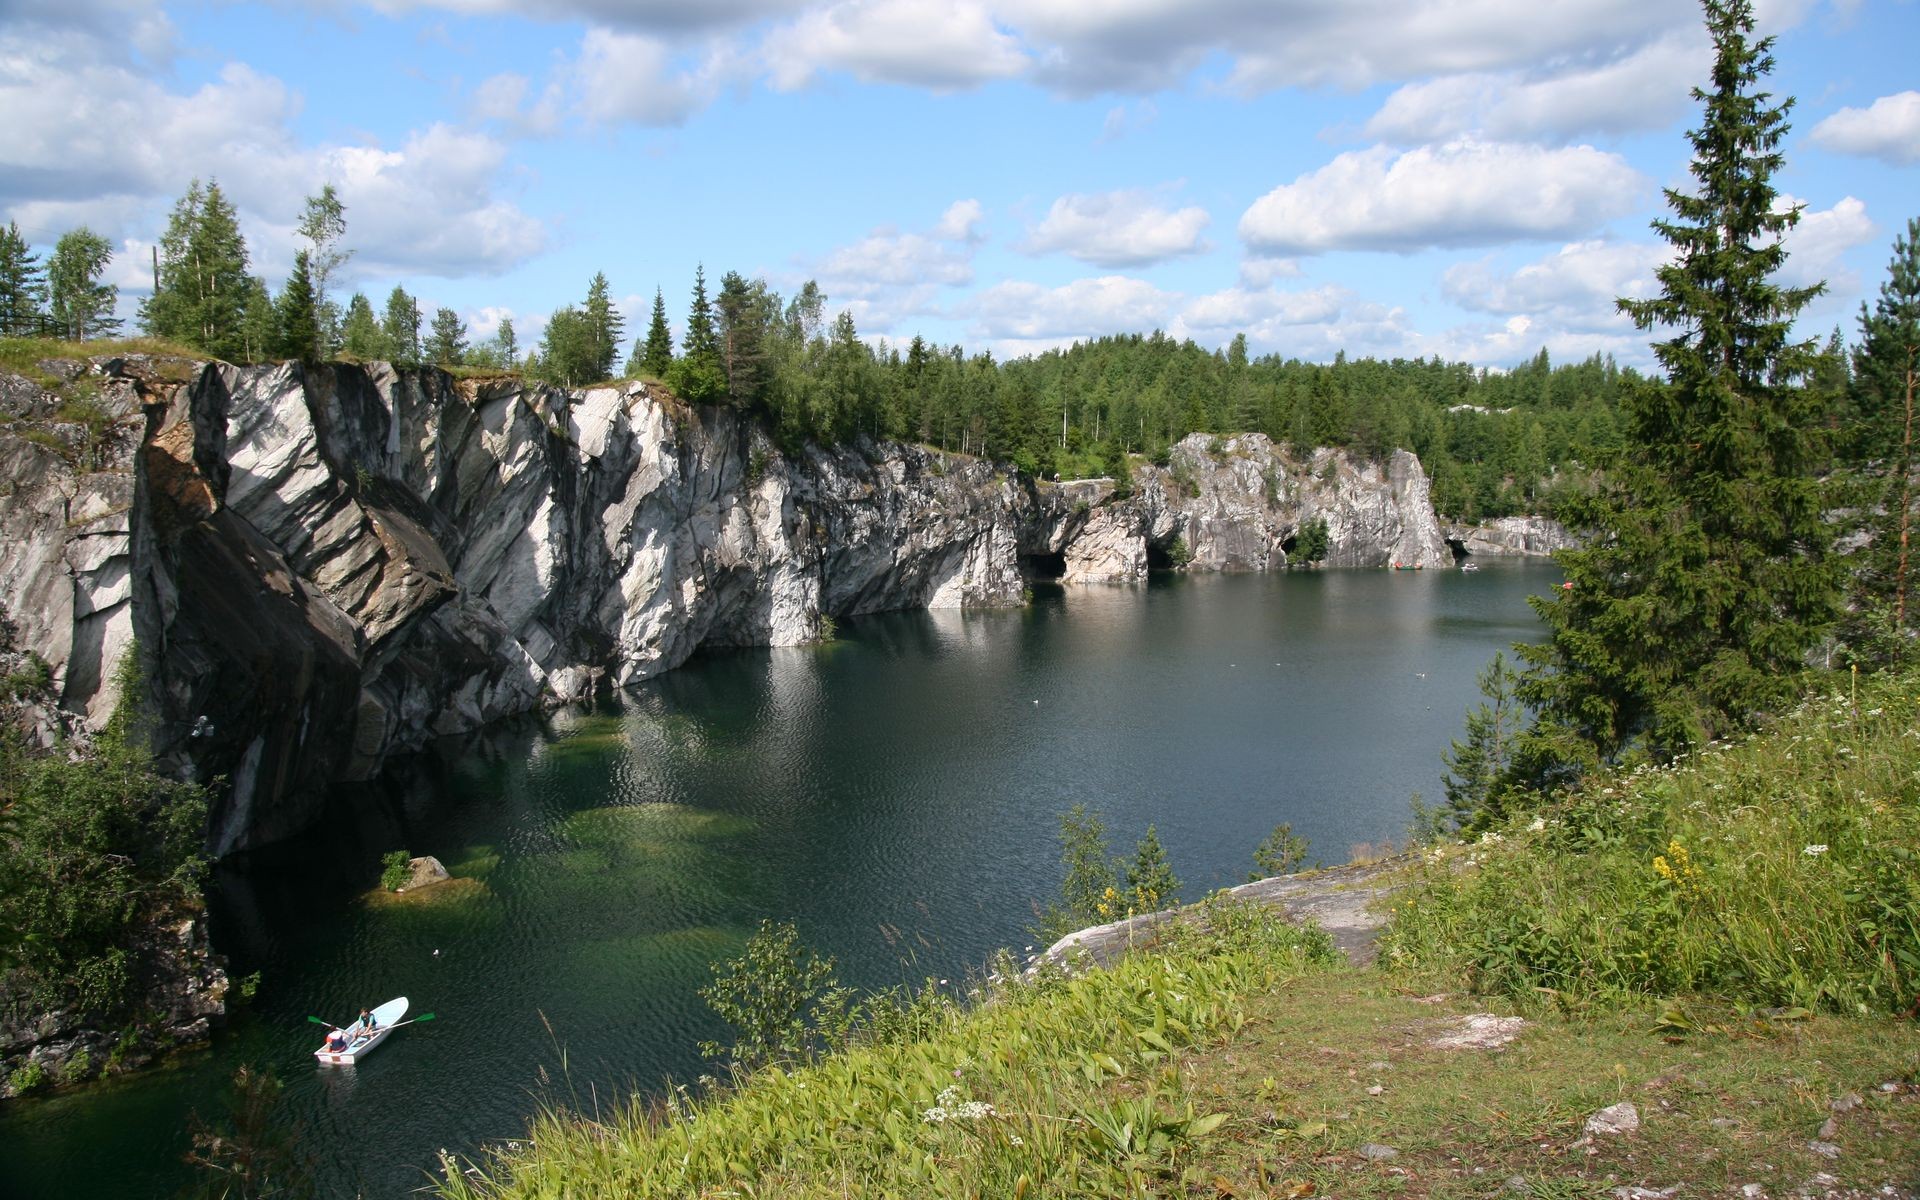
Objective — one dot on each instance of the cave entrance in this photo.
(1043, 568)
(1459, 549)
(1158, 559)
(1288, 546)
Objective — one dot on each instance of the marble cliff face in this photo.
(327, 565)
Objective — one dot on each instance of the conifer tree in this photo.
(203, 286)
(360, 333)
(508, 343)
(22, 288)
(605, 327)
(1476, 776)
(400, 327)
(79, 304)
(658, 354)
(447, 339)
(696, 374)
(1151, 883)
(298, 314)
(259, 321)
(1706, 575)
(569, 349)
(1886, 374)
(744, 321)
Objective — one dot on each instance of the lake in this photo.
(895, 793)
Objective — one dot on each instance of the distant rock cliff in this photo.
(326, 565)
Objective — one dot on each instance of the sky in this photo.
(1466, 179)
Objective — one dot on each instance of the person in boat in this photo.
(365, 1026)
(338, 1040)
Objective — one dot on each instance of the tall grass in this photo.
(1060, 1086)
(1780, 870)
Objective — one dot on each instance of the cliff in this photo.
(326, 565)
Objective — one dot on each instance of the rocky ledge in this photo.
(327, 565)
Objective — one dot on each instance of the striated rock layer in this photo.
(327, 565)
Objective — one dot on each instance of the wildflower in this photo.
(1014, 1139)
(1815, 850)
(1539, 823)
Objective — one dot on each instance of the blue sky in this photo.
(1465, 178)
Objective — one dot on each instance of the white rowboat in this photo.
(384, 1019)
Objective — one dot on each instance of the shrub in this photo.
(776, 995)
(1282, 853)
(395, 870)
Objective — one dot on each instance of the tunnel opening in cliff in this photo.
(1158, 558)
(1043, 568)
(1459, 549)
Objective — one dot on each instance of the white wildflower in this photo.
(1539, 823)
(1815, 850)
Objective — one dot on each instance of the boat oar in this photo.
(328, 1024)
(414, 1021)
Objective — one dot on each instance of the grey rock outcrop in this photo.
(1512, 537)
(327, 565)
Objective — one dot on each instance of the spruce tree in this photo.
(1706, 576)
(22, 289)
(1151, 883)
(79, 304)
(658, 355)
(297, 312)
(696, 375)
(743, 327)
(508, 343)
(1886, 373)
(203, 288)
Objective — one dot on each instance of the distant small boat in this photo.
(1469, 566)
(385, 1018)
(1406, 566)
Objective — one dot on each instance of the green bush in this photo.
(395, 870)
(1783, 870)
(1282, 853)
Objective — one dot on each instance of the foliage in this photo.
(447, 339)
(1151, 883)
(79, 305)
(1281, 852)
(1478, 777)
(323, 223)
(1780, 870)
(252, 1154)
(203, 285)
(697, 375)
(604, 326)
(1312, 542)
(297, 314)
(1054, 1086)
(1885, 377)
(1090, 875)
(772, 996)
(655, 356)
(394, 870)
(362, 336)
(98, 851)
(1705, 577)
(22, 285)
(400, 328)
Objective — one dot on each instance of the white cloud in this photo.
(1644, 89)
(506, 100)
(1118, 229)
(1815, 245)
(655, 16)
(961, 222)
(1266, 317)
(939, 44)
(1030, 315)
(1888, 129)
(632, 77)
(1464, 193)
(1258, 272)
(1575, 286)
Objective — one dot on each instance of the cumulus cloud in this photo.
(1018, 313)
(944, 45)
(634, 77)
(1463, 193)
(1125, 228)
(1644, 89)
(506, 100)
(1576, 285)
(891, 274)
(1816, 244)
(961, 222)
(1264, 315)
(1888, 129)
(653, 16)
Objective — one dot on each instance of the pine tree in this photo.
(447, 340)
(605, 326)
(743, 327)
(508, 343)
(80, 305)
(658, 355)
(1706, 575)
(361, 335)
(400, 327)
(1476, 776)
(22, 289)
(1886, 373)
(259, 321)
(298, 315)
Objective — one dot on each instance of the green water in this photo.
(896, 794)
